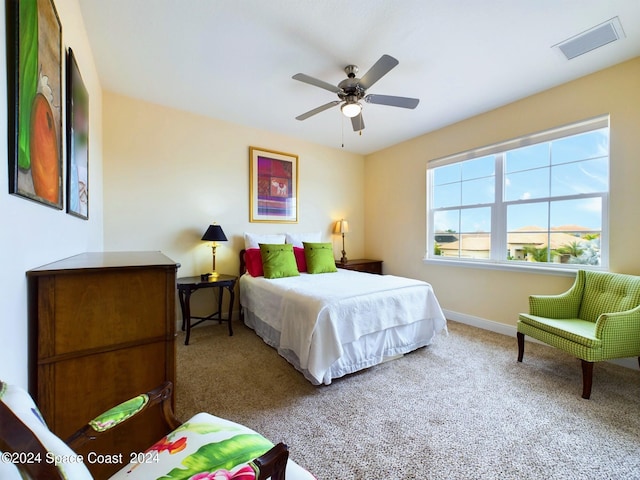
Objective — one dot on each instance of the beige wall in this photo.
(395, 191)
(169, 174)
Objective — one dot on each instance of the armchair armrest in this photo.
(563, 305)
(121, 413)
(273, 463)
(620, 327)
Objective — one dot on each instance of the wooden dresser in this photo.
(362, 265)
(102, 330)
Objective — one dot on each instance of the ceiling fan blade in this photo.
(379, 70)
(322, 108)
(316, 83)
(357, 122)
(392, 101)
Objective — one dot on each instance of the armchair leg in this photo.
(587, 378)
(520, 346)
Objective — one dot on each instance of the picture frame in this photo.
(77, 141)
(273, 188)
(35, 101)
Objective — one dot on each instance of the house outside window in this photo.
(539, 201)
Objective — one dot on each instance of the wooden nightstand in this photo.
(188, 285)
(362, 265)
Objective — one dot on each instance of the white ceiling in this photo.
(234, 59)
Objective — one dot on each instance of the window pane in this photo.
(447, 174)
(446, 227)
(527, 217)
(446, 221)
(588, 176)
(576, 229)
(446, 195)
(475, 245)
(475, 242)
(527, 158)
(580, 147)
(579, 248)
(526, 185)
(580, 215)
(475, 220)
(527, 231)
(478, 168)
(479, 191)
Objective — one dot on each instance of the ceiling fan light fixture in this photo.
(351, 110)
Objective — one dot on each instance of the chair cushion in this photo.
(23, 407)
(576, 330)
(206, 447)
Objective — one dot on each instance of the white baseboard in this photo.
(510, 331)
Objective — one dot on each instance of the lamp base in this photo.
(213, 273)
(344, 253)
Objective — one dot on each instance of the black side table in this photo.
(188, 285)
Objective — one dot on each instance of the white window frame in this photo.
(499, 206)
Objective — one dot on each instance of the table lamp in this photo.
(342, 227)
(214, 234)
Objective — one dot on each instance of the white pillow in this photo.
(252, 240)
(297, 238)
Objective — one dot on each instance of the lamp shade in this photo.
(342, 226)
(214, 234)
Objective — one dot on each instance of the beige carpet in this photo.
(462, 408)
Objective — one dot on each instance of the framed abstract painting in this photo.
(273, 186)
(34, 56)
(77, 141)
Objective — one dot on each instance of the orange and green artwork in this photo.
(35, 93)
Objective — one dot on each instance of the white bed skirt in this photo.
(369, 350)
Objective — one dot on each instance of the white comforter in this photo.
(317, 314)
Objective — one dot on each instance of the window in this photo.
(536, 201)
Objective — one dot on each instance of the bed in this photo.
(330, 325)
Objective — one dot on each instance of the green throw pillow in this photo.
(319, 257)
(278, 260)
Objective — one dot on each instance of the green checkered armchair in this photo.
(597, 319)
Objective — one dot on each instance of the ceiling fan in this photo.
(352, 89)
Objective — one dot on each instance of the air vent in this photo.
(595, 37)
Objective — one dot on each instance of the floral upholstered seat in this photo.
(204, 447)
